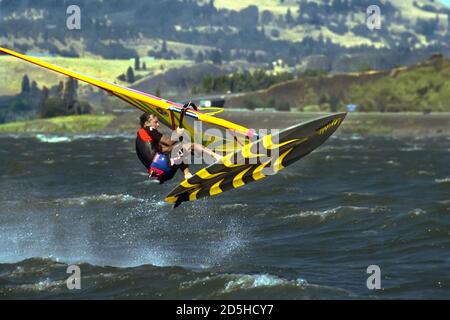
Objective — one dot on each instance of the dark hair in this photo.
(144, 118)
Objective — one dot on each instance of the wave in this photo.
(13, 135)
(46, 138)
(52, 139)
(42, 286)
(425, 173)
(359, 194)
(291, 174)
(115, 198)
(411, 149)
(417, 212)
(341, 210)
(244, 282)
(392, 162)
(265, 286)
(234, 206)
(352, 137)
(46, 278)
(304, 214)
(441, 181)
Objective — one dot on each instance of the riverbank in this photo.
(68, 124)
(396, 124)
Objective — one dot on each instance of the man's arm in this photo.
(167, 143)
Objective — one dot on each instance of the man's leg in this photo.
(185, 168)
(199, 149)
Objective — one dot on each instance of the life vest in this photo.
(147, 145)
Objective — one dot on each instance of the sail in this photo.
(167, 111)
(235, 170)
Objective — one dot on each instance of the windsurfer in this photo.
(156, 150)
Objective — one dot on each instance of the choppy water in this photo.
(308, 233)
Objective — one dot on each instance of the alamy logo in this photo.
(74, 281)
(373, 17)
(74, 19)
(374, 281)
(264, 152)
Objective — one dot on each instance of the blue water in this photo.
(309, 232)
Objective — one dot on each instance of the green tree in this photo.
(70, 95)
(130, 75)
(189, 53)
(200, 57)
(164, 49)
(334, 103)
(34, 88)
(25, 85)
(82, 107)
(216, 57)
(266, 17)
(310, 96)
(289, 18)
(43, 101)
(53, 107)
(60, 90)
(137, 63)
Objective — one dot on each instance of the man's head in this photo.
(149, 120)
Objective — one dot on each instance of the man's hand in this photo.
(180, 132)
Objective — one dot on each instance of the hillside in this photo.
(177, 82)
(256, 31)
(12, 70)
(424, 87)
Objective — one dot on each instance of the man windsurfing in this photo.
(155, 150)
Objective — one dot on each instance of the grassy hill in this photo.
(274, 6)
(280, 7)
(260, 30)
(422, 88)
(407, 9)
(13, 69)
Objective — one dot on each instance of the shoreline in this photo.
(394, 124)
(390, 124)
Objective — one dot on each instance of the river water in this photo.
(309, 232)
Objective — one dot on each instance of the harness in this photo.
(160, 168)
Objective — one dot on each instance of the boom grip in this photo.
(183, 112)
